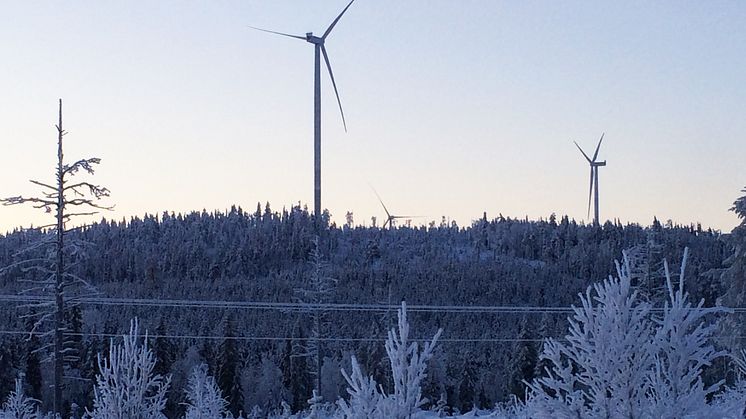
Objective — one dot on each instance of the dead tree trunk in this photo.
(57, 280)
(59, 320)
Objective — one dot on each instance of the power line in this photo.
(301, 307)
(281, 338)
(305, 338)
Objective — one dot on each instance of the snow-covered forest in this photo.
(238, 305)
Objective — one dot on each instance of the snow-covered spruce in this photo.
(621, 361)
(203, 395)
(126, 388)
(18, 406)
(408, 365)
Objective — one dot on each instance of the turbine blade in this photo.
(581, 150)
(329, 29)
(278, 33)
(336, 92)
(590, 193)
(598, 146)
(388, 215)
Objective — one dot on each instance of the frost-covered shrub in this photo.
(18, 406)
(364, 394)
(408, 365)
(126, 388)
(683, 344)
(602, 370)
(204, 400)
(621, 361)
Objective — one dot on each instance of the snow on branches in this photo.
(622, 361)
(18, 406)
(126, 388)
(203, 395)
(408, 365)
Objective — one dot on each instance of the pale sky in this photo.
(453, 107)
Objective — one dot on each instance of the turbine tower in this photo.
(319, 49)
(593, 192)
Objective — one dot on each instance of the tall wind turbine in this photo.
(318, 44)
(593, 192)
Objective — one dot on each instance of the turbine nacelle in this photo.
(314, 39)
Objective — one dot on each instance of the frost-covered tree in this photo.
(126, 387)
(270, 392)
(204, 400)
(65, 199)
(684, 347)
(602, 370)
(408, 366)
(364, 395)
(18, 406)
(622, 361)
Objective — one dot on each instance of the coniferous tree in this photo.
(127, 388)
(204, 400)
(733, 276)
(7, 370)
(165, 356)
(18, 406)
(523, 362)
(317, 290)
(467, 391)
(229, 379)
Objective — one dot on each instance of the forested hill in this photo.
(259, 256)
(265, 257)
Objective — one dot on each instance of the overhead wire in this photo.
(297, 306)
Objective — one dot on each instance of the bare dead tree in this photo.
(65, 199)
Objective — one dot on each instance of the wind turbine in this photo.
(319, 49)
(390, 218)
(593, 192)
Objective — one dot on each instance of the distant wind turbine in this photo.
(318, 43)
(593, 192)
(390, 218)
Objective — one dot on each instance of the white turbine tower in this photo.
(593, 192)
(318, 43)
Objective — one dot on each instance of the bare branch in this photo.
(84, 164)
(36, 182)
(82, 201)
(16, 200)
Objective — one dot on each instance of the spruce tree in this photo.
(467, 386)
(229, 379)
(7, 369)
(733, 276)
(523, 362)
(165, 356)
